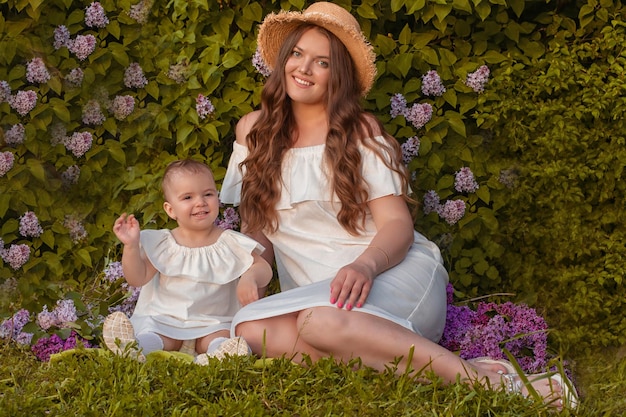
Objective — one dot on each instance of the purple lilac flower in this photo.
(478, 79)
(79, 143)
(24, 338)
(464, 181)
(16, 255)
(92, 113)
(29, 225)
(459, 321)
(70, 175)
(452, 211)
(432, 85)
(133, 76)
(36, 71)
(47, 346)
(65, 312)
(230, 221)
(12, 327)
(398, 105)
(82, 46)
(6, 162)
(419, 114)
(95, 16)
(113, 271)
(5, 91)
(61, 37)
(76, 228)
(46, 319)
(23, 101)
(127, 306)
(15, 135)
(410, 149)
(122, 106)
(141, 10)
(259, 64)
(431, 202)
(514, 327)
(204, 107)
(75, 77)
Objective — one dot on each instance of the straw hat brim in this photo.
(277, 26)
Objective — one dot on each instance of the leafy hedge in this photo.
(529, 235)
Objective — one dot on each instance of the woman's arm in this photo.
(388, 248)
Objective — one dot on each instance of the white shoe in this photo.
(118, 333)
(236, 346)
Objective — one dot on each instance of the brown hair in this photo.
(272, 136)
(184, 165)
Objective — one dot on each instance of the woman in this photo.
(322, 186)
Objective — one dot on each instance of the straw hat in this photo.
(277, 26)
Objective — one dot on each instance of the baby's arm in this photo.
(253, 282)
(138, 270)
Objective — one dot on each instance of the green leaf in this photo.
(84, 256)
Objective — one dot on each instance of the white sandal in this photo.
(513, 383)
(118, 332)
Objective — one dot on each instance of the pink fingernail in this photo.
(340, 305)
(359, 305)
(333, 300)
(348, 306)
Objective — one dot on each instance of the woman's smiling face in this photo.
(307, 70)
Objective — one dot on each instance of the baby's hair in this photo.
(183, 165)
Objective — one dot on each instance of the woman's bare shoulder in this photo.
(244, 125)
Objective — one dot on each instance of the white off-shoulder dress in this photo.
(194, 292)
(310, 246)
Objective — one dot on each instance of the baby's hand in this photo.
(126, 228)
(247, 290)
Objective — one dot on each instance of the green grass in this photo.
(96, 383)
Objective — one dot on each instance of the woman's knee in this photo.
(317, 324)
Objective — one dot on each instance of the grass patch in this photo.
(93, 382)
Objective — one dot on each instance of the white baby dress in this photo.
(194, 292)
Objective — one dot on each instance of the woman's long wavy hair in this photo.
(274, 133)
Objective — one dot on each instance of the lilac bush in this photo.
(490, 329)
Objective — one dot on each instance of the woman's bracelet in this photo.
(380, 249)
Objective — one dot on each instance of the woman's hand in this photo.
(351, 285)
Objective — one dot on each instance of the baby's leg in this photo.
(202, 343)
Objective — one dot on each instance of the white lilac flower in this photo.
(79, 143)
(23, 101)
(134, 77)
(431, 84)
(70, 175)
(122, 106)
(82, 46)
(95, 16)
(419, 114)
(464, 181)
(36, 71)
(204, 107)
(141, 10)
(478, 79)
(15, 135)
(6, 162)
(5, 91)
(92, 113)
(452, 211)
(16, 255)
(259, 64)
(75, 77)
(29, 225)
(410, 149)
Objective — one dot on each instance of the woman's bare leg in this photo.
(324, 331)
(277, 336)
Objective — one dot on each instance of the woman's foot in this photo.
(553, 388)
